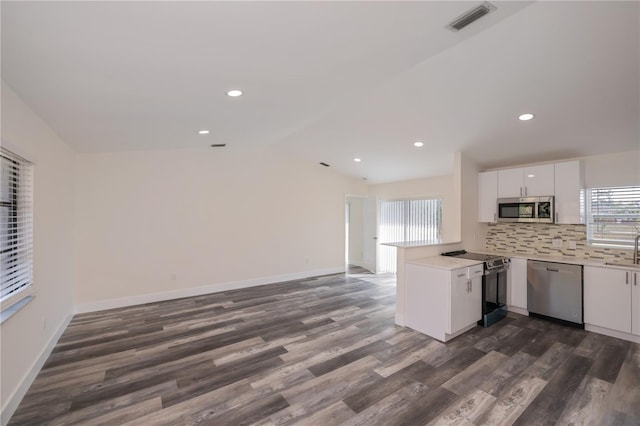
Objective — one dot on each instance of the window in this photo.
(613, 215)
(407, 220)
(16, 224)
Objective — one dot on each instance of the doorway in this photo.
(361, 229)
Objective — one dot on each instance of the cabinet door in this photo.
(568, 184)
(518, 283)
(427, 299)
(510, 183)
(539, 180)
(635, 304)
(487, 196)
(462, 301)
(607, 298)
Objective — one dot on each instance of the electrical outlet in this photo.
(556, 243)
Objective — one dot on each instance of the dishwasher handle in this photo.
(553, 270)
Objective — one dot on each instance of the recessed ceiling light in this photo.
(234, 93)
(525, 117)
(530, 176)
(203, 132)
(418, 144)
(357, 160)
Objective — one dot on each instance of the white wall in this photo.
(28, 335)
(424, 188)
(473, 233)
(618, 169)
(168, 222)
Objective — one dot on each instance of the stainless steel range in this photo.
(494, 284)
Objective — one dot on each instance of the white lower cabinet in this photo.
(612, 299)
(517, 288)
(443, 303)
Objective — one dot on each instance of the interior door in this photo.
(370, 234)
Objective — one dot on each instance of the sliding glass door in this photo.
(407, 220)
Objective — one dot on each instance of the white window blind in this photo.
(613, 215)
(16, 223)
(407, 220)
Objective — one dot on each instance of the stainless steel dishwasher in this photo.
(554, 291)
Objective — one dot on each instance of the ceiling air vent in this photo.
(471, 16)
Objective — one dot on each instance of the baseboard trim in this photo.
(198, 291)
(14, 400)
(517, 310)
(612, 333)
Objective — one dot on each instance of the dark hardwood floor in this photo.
(325, 351)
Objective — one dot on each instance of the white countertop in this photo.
(405, 244)
(444, 262)
(558, 259)
(451, 263)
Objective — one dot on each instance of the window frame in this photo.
(23, 175)
(591, 223)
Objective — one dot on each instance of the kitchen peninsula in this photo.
(443, 295)
(408, 251)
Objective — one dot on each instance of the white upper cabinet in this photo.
(487, 196)
(532, 181)
(565, 180)
(510, 183)
(569, 182)
(539, 180)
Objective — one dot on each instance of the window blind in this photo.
(613, 215)
(407, 220)
(16, 223)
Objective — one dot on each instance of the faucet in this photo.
(635, 249)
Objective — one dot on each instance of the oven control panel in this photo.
(501, 262)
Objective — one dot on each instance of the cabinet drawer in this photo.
(475, 271)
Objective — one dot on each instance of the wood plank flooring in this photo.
(324, 351)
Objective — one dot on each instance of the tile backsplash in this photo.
(537, 238)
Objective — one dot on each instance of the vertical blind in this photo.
(407, 220)
(16, 223)
(613, 215)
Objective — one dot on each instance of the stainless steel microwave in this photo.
(527, 209)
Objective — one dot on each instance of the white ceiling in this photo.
(330, 81)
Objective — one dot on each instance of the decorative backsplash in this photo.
(537, 238)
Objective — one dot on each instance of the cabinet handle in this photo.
(521, 191)
(626, 278)
(461, 275)
(525, 191)
(635, 279)
(556, 217)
